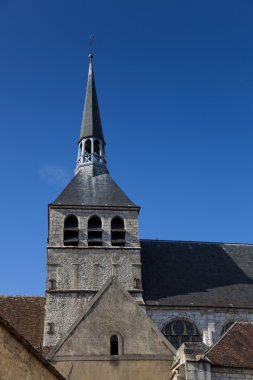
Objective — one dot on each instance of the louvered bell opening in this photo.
(95, 232)
(71, 231)
(118, 232)
(118, 238)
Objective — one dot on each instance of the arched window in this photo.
(97, 147)
(226, 327)
(118, 232)
(51, 328)
(180, 331)
(71, 231)
(87, 151)
(87, 146)
(95, 231)
(114, 345)
(52, 283)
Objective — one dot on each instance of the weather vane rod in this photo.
(91, 39)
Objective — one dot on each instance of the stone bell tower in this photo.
(93, 231)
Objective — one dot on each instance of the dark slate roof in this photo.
(26, 315)
(91, 122)
(197, 274)
(21, 339)
(97, 190)
(234, 348)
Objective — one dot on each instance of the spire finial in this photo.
(91, 39)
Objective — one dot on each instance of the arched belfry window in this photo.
(87, 151)
(179, 331)
(97, 147)
(118, 232)
(114, 345)
(95, 231)
(87, 146)
(71, 231)
(97, 152)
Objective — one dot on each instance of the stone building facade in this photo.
(192, 292)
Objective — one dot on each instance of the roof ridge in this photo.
(195, 242)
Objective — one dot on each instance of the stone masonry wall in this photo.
(62, 309)
(76, 270)
(231, 374)
(90, 268)
(79, 272)
(198, 370)
(209, 321)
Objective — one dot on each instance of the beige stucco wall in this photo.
(17, 363)
(115, 370)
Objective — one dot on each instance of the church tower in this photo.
(92, 232)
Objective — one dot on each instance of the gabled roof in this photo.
(26, 315)
(197, 274)
(111, 311)
(234, 348)
(93, 190)
(20, 339)
(91, 122)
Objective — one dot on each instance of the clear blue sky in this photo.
(175, 87)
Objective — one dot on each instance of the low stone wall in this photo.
(231, 373)
(19, 363)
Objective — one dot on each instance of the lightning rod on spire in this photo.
(91, 39)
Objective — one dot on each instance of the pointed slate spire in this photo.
(91, 145)
(91, 123)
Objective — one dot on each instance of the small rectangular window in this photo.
(52, 283)
(114, 345)
(50, 330)
(137, 283)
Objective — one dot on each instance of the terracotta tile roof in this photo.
(26, 315)
(6, 325)
(234, 348)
